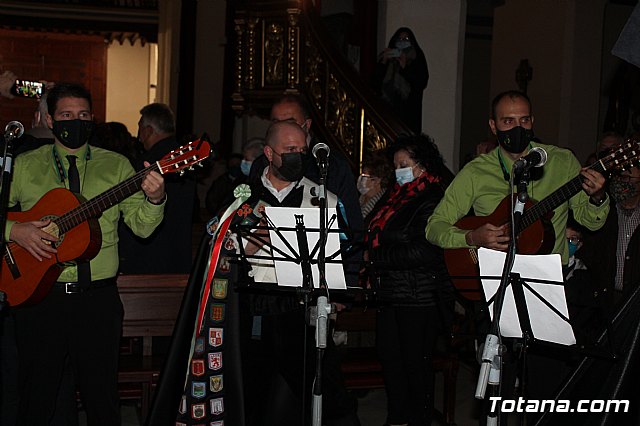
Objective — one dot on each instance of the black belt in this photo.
(75, 288)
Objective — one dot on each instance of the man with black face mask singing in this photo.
(273, 395)
(81, 317)
(484, 182)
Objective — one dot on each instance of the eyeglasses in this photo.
(574, 240)
(367, 176)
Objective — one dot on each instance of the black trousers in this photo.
(274, 370)
(406, 339)
(84, 328)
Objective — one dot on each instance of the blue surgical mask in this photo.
(403, 44)
(572, 248)
(245, 167)
(404, 175)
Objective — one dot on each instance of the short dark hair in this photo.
(380, 167)
(159, 116)
(511, 94)
(295, 99)
(66, 90)
(423, 150)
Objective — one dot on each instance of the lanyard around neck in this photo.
(62, 173)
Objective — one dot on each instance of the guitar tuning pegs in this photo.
(199, 164)
(190, 167)
(181, 172)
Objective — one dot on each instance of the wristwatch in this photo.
(599, 202)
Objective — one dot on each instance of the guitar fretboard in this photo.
(93, 207)
(556, 198)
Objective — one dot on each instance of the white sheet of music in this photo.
(545, 324)
(289, 273)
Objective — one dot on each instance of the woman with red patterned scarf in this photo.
(414, 291)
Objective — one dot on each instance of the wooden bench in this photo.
(151, 306)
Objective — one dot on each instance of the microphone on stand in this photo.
(13, 130)
(321, 153)
(537, 157)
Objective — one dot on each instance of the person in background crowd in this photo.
(169, 248)
(373, 184)
(415, 293)
(608, 140)
(220, 193)
(612, 252)
(7, 80)
(401, 76)
(115, 137)
(81, 317)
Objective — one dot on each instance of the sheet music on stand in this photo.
(288, 273)
(546, 325)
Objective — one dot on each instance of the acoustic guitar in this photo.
(74, 221)
(535, 234)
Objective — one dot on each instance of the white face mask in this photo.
(404, 175)
(363, 184)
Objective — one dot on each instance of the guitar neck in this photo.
(95, 206)
(556, 198)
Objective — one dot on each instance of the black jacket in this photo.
(599, 253)
(411, 270)
(169, 248)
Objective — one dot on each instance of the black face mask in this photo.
(293, 166)
(73, 133)
(515, 140)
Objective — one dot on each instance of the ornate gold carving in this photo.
(373, 139)
(237, 95)
(293, 41)
(251, 52)
(314, 76)
(274, 53)
(341, 114)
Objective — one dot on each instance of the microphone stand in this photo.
(491, 367)
(5, 185)
(323, 307)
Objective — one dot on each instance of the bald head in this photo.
(286, 136)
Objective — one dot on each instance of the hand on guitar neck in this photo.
(593, 184)
(153, 186)
(490, 236)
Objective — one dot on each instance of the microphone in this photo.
(13, 130)
(321, 152)
(537, 157)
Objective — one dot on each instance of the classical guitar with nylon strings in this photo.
(535, 233)
(74, 222)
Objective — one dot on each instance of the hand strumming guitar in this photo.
(490, 236)
(32, 237)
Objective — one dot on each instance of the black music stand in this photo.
(284, 251)
(491, 361)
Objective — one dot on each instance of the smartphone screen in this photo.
(28, 88)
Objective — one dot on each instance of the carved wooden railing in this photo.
(282, 47)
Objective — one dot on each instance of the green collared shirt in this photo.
(481, 184)
(36, 173)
